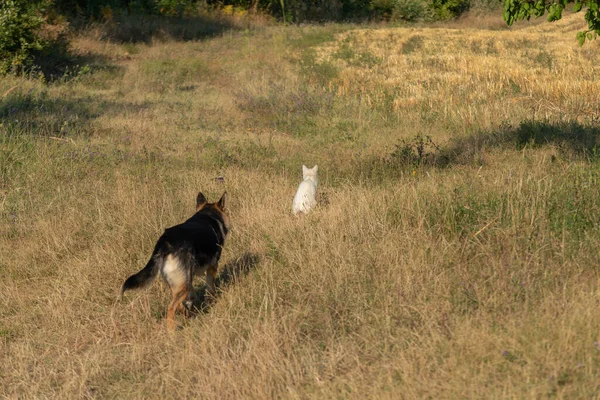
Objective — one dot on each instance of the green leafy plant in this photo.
(515, 10)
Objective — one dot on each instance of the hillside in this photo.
(454, 252)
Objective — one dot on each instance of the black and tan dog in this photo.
(185, 250)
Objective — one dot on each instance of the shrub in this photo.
(446, 9)
(412, 10)
(33, 39)
(416, 10)
(20, 26)
(383, 8)
(485, 6)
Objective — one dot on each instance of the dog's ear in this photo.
(222, 202)
(200, 201)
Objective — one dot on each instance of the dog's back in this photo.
(201, 237)
(185, 250)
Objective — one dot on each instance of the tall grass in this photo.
(453, 253)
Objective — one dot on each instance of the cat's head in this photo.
(309, 172)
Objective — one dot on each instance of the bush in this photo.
(485, 6)
(419, 10)
(33, 39)
(20, 26)
(412, 10)
(383, 8)
(446, 9)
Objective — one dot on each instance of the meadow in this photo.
(454, 252)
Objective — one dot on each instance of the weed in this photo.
(131, 48)
(544, 59)
(418, 151)
(414, 43)
(322, 72)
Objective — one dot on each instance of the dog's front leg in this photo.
(211, 273)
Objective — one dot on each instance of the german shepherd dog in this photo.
(185, 250)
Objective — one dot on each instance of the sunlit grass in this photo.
(453, 253)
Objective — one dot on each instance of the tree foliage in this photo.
(515, 10)
(288, 10)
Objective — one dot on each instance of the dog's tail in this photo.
(145, 276)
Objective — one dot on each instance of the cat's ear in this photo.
(200, 201)
(304, 169)
(315, 169)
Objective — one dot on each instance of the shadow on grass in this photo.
(147, 28)
(35, 113)
(230, 273)
(57, 62)
(571, 139)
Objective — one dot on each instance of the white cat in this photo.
(306, 196)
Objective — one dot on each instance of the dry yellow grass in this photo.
(472, 77)
(478, 279)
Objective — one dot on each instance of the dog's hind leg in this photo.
(180, 293)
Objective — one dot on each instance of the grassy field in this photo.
(454, 252)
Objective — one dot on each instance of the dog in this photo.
(306, 195)
(184, 250)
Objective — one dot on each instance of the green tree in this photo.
(515, 10)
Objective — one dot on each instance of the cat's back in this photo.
(306, 197)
